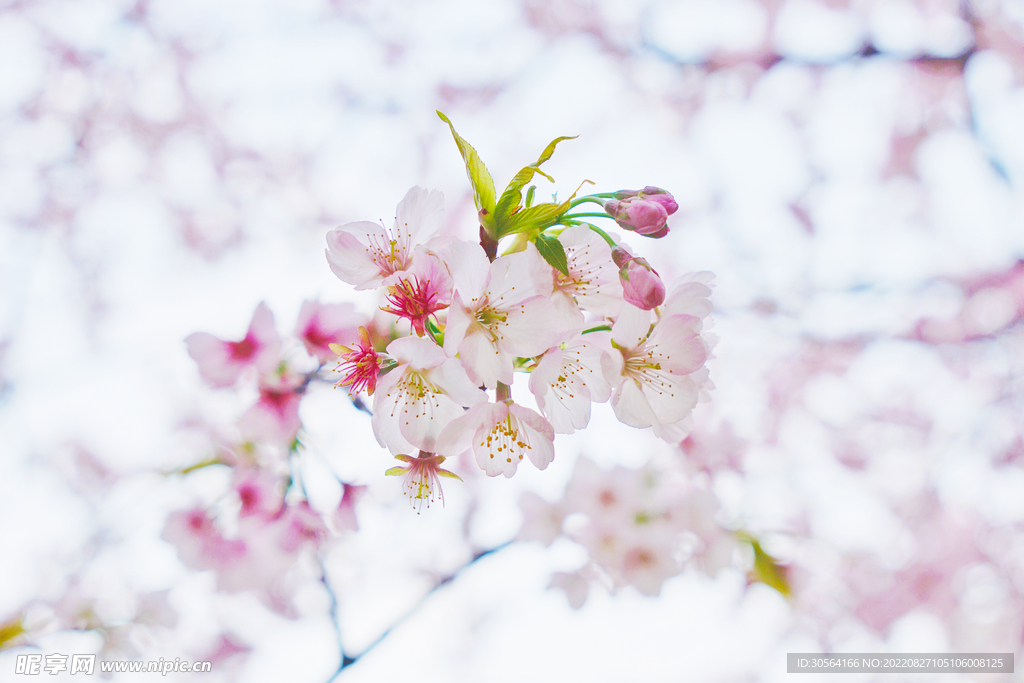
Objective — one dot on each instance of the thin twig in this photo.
(347, 661)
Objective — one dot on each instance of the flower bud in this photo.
(641, 285)
(654, 194)
(663, 197)
(643, 216)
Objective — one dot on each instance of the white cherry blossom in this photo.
(418, 398)
(593, 279)
(500, 434)
(364, 253)
(568, 378)
(655, 373)
(500, 311)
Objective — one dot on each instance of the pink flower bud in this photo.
(641, 285)
(663, 197)
(652, 193)
(644, 216)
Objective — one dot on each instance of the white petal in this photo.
(456, 325)
(676, 343)
(485, 362)
(539, 436)
(519, 276)
(631, 327)
(531, 327)
(419, 216)
(631, 407)
(423, 418)
(418, 352)
(469, 267)
(386, 406)
(452, 378)
(457, 437)
(350, 256)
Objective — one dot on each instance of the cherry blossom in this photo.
(344, 517)
(650, 370)
(221, 362)
(275, 416)
(422, 478)
(319, 325)
(592, 277)
(260, 493)
(359, 367)
(500, 435)
(500, 311)
(418, 398)
(421, 292)
(568, 378)
(363, 254)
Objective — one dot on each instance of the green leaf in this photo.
(553, 252)
(11, 630)
(537, 217)
(511, 199)
(767, 570)
(479, 177)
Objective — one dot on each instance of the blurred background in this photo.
(850, 170)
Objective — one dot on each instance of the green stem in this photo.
(503, 392)
(572, 216)
(602, 233)
(595, 198)
(599, 328)
(435, 332)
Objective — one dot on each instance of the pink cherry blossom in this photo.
(422, 477)
(568, 378)
(275, 416)
(221, 362)
(500, 435)
(260, 492)
(299, 525)
(499, 311)
(417, 399)
(319, 325)
(650, 371)
(363, 253)
(542, 521)
(359, 367)
(199, 543)
(344, 517)
(419, 293)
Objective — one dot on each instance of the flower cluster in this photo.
(638, 527)
(264, 522)
(560, 299)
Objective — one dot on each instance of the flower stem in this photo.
(503, 392)
(572, 216)
(602, 233)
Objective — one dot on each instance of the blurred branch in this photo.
(346, 660)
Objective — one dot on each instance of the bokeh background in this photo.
(850, 170)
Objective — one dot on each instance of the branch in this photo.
(346, 660)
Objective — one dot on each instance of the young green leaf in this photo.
(553, 252)
(511, 199)
(479, 178)
(766, 569)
